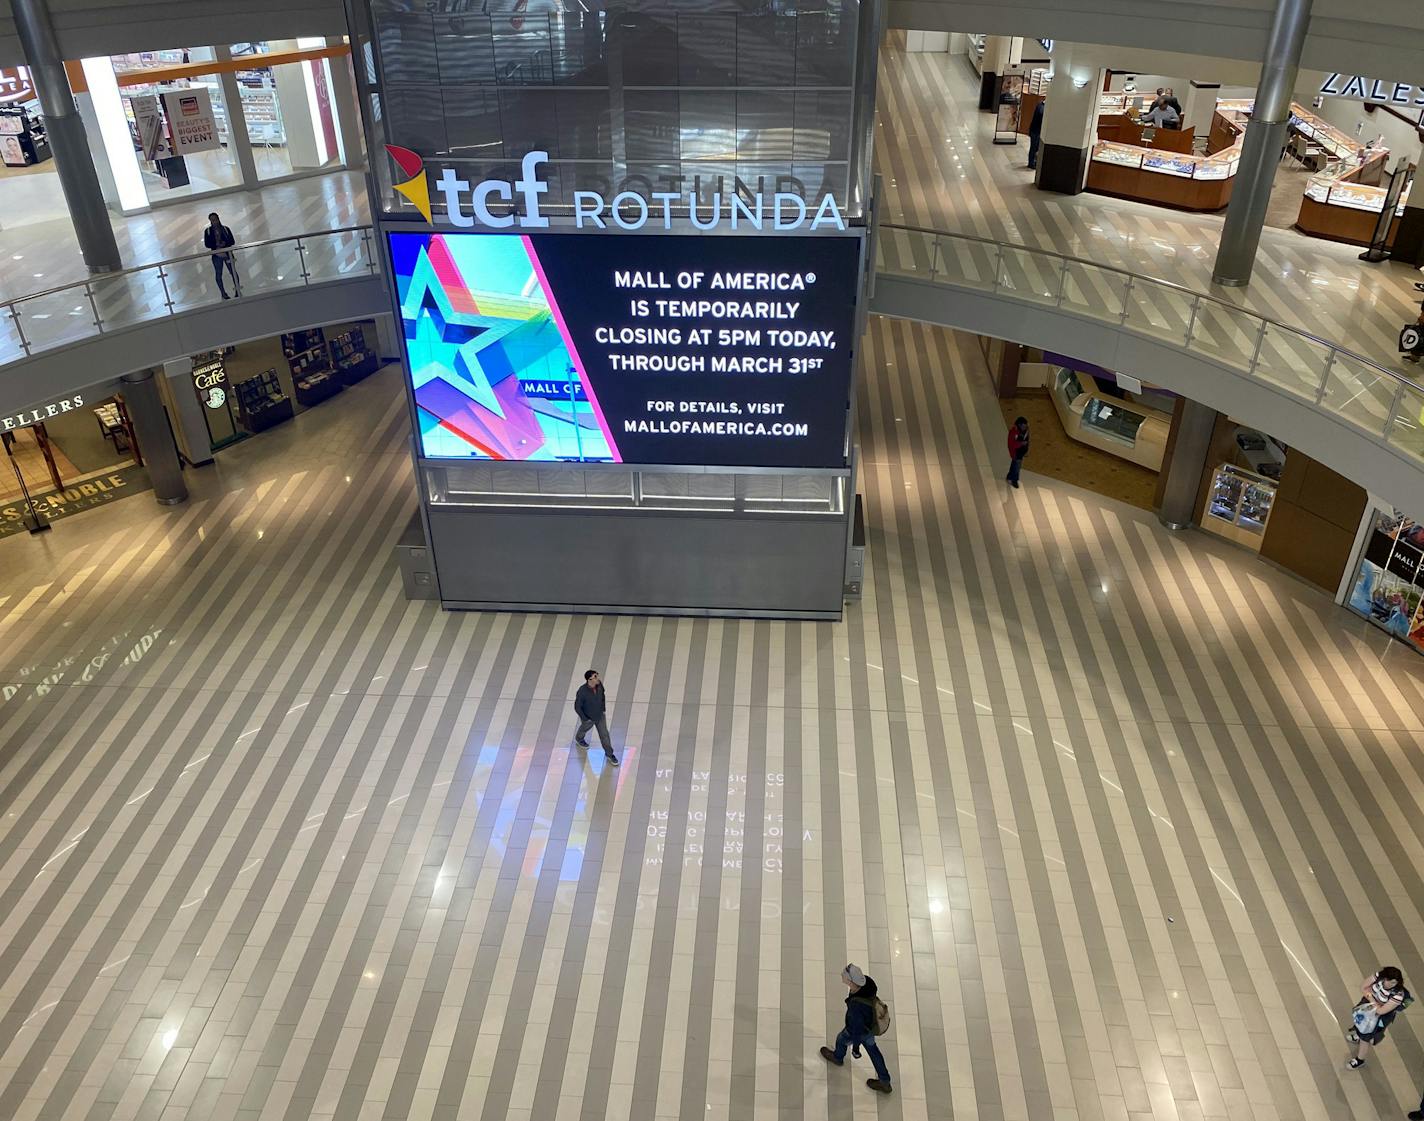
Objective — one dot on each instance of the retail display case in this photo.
(1177, 179)
(23, 140)
(262, 401)
(1126, 429)
(1238, 505)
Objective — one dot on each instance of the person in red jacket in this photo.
(1018, 448)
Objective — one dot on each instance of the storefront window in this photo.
(1389, 584)
(290, 109)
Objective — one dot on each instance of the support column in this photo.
(237, 136)
(185, 412)
(1183, 463)
(348, 110)
(72, 159)
(155, 438)
(1261, 150)
(995, 61)
(1199, 106)
(1070, 124)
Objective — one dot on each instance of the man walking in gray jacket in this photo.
(591, 706)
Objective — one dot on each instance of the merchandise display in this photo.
(23, 140)
(1006, 119)
(1124, 428)
(313, 379)
(262, 401)
(1238, 505)
(1389, 583)
(352, 359)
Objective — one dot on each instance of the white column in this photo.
(348, 111)
(237, 137)
(1199, 105)
(1070, 123)
(927, 42)
(189, 427)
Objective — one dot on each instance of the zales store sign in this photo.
(1356, 87)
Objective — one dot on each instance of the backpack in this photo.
(882, 1015)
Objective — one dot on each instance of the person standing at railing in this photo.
(216, 238)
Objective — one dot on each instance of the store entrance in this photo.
(85, 456)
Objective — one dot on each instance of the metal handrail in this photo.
(1252, 364)
(1182, 288)
(100, 278)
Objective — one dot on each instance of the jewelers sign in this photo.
(1356, 87)
(191, 123)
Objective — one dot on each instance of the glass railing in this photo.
(115, 301)
(1384, 404)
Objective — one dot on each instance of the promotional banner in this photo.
(148, 127)
(658, 349)
(190, 120)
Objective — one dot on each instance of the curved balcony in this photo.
(68, 338)
(1356, 416)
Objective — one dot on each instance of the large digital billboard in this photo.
(671, 349)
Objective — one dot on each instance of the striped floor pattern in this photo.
(1117, 819)
(941, 170)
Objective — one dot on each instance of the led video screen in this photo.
(657, 349)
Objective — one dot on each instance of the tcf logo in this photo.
(415, 186)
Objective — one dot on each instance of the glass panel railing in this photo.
(1360, 392)
(1226, 334)
(963, 261)
(1027, 275)
(1095, 292)
(901, 252)
(269, 268)
(1159, 310)
(55, 318)
(129, 298)
(12, 345)
(1406, 426)
(336, 255)
(1292, 361)
(190, 284)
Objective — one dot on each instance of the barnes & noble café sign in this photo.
(1356, 87)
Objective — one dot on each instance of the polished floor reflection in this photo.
(1117, 819)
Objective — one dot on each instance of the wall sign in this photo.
(43, 413)
(1356, 87)
(210, 380)
(15, 85)
(467, 206)
(659, 349)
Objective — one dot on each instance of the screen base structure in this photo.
(645, 541)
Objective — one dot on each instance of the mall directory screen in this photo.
(656, 349)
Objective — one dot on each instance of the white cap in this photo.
(853, 975)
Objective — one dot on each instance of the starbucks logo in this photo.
(216, 397)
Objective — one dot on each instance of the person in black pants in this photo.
(1035, 133)
(216, 238)
(591, 707)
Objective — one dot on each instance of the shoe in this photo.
(1415, 1115)
(830, 1057)
(225, 296)
(581, 743)
(878, 1086)
(613, 760)
(1016, 484)
(1355, 1064)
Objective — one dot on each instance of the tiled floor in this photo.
(941, 170)
(1117, 819)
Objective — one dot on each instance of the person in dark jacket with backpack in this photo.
(862, 1024)
(1035, 133)
(1018, 448)
(591, 707)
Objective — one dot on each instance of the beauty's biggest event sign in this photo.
(659, 349)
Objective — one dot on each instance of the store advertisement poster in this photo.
(1389, 587)
(658, 349)
(148, 127)
(190, 120)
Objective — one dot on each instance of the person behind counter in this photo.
(1162, 115)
